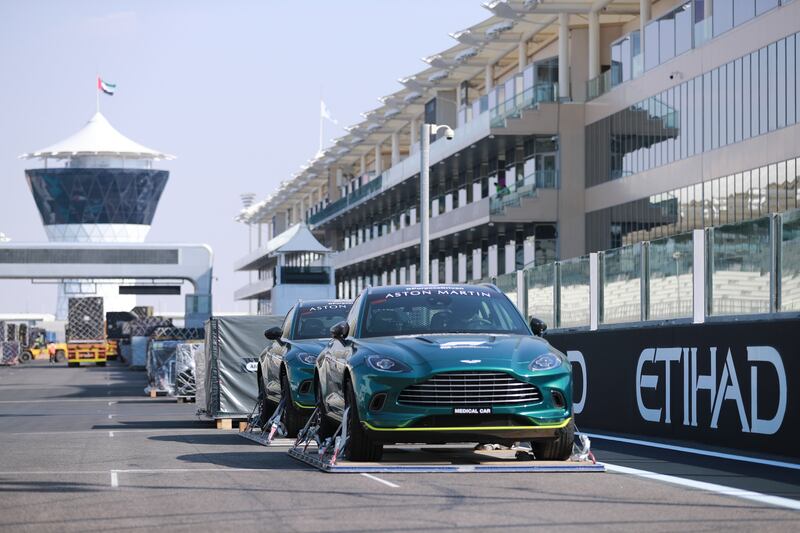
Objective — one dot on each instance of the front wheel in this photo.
(25, 357)
(326, 427)
(559, 448)
(60, 356)
(293, 419)
(360, 445)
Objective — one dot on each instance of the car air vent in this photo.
(470, 388)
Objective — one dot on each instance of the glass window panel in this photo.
(762, 6)
(700, 23)
(689, 125)
(708, 204)
(730, 105)
(743, 10)
(781, 193)
(683, 88)
(791, 185)
(755, 99)
(736, 83)
(625, 56)
(622, 269)
(723, 16)
(740, 277)
(746, 97)
(772, 189)
(671, 125)
(698, 112)
(698, 206)
(715, 109)
(574, 293)
(651, 42)
(772, 84)
(781, 81)
(721, 200)
(791, 81)
(670, 267)
(683, 28)
(706, 111)
(658, 128)
(636, 54)
(723, 105)
(666, 33)
(763, 92)
(790, 262)
(540, 281)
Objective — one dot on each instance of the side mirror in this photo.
(273, 333)
(340, 331)
(538, 326)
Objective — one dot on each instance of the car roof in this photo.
(312, 303)
(385, 289)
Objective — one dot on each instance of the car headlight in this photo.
(386, 364)
(546, 361)
(307, 358)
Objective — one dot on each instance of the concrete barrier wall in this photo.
(733, 385)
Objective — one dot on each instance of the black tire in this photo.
(293, 418)
(360, 445)
(73, 365)
(60, 356)
(25, 357)
(557, 449)
(101, 363)
(326, 426)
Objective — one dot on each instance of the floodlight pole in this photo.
(426, 130)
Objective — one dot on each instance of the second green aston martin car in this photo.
(438, 364)
(286, 366)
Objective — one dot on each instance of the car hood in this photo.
(447, 352)
(312, 346)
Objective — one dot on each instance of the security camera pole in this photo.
(426, 130)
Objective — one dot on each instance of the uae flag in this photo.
(106, 87)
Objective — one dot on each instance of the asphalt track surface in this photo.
(85, 450)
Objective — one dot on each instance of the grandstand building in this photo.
(579, 126)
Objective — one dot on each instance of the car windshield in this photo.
(315, 321)
(425, 310)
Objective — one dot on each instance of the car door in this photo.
(338, 355)
(275, 356)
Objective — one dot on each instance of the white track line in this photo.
(114, 479)
(696, 451)
(709, 487)
(379, 480)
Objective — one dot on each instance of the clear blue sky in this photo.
(232, 88)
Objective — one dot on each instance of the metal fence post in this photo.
(644, 281)
(775, 239)
(594, 290)
(699, 267)
(522, 294)
(556, 294)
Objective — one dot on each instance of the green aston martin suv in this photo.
(441, 364)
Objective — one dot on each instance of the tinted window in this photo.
(315, 321)
(446, 309)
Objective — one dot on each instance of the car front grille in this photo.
(472, 388)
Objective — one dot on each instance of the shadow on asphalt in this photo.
(155, 424)
(219, 438)
(260, 460)
(49, 486)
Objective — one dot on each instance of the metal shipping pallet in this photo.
(442, 460)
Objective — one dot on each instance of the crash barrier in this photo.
(733, 385)
(228, 387)
(328, 456)
(750, 267)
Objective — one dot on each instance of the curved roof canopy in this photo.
(98, 137)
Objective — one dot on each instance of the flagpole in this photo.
(97, 93)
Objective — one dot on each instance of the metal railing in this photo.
(512, 195)
(527, 99)
(365, 191)
(748, 268)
